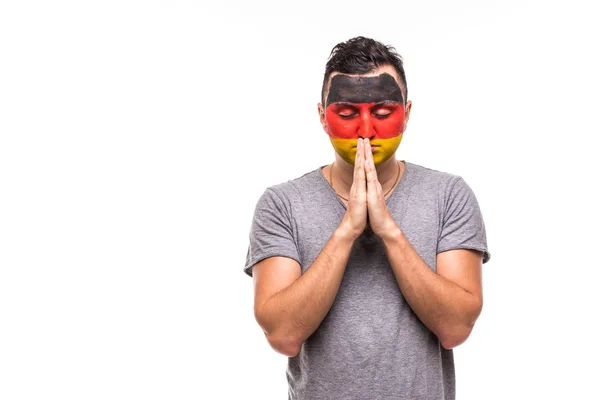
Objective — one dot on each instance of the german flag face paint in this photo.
(365, 107)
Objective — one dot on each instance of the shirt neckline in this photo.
(326, 182)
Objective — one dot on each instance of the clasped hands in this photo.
(366, 202)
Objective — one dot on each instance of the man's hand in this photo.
(355, 219)
(380, 219)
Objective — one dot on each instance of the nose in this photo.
(365, 128)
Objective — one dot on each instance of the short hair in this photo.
(361, 55)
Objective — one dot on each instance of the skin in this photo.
(290, 306)
(387, 168)
(368, 106)
(383, 149)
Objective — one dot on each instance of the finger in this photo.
(359, 183)
(359, 144)
(356, 166)
(369, 161)
(368, 151)
(370, 171)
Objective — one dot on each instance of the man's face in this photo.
(365, 106)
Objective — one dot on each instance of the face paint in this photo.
(368, 107)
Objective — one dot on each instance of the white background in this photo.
(136, 137)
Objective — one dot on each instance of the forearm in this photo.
(447, 309)
(290, 316)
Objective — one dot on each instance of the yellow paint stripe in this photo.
(346, 148)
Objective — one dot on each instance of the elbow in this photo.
(286, 345)
(454, 337)
(456, 334)
(280, 339)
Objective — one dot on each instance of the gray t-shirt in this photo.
(371, 345)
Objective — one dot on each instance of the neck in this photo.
(343, 175)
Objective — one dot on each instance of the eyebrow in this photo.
(387, 103)
(344, 103)
(377, 104)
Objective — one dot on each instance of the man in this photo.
(367, 272)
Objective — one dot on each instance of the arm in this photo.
(289, 306)
(447, 302)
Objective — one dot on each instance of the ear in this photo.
(321, 110)
(407, 109)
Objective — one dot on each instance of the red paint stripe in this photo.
(362, 122)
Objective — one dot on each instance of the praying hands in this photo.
(366, 202)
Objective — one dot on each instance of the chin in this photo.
(380, 159)
(348, 155)
(349, 159)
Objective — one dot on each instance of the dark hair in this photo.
(361, 55)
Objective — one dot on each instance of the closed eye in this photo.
(348, 115)
(382, 113)
(348, 112)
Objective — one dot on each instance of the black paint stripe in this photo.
(364, 89)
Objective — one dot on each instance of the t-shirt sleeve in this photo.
(271, 233)
(462, 222)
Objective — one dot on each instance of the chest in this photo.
(420, 220)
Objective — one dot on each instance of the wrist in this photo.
(345, 232)
(392, 235)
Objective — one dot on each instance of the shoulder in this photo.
(297, 187)
(431, 179)
(293, 190)
(442, 187)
